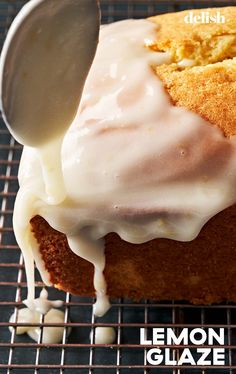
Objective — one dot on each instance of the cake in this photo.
(149, 167)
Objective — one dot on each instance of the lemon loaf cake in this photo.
(149, 166)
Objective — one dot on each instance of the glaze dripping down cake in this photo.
(149, 166)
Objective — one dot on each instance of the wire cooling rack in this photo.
(78, 353)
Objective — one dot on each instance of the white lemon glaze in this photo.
(105, 335)
(50, 335)
(33, 315)
(132, 163)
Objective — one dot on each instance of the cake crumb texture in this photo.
(205, 43)
(207, 88)
(202, 271)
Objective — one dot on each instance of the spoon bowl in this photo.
(43, 67)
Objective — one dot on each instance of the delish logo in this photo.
(204, 17)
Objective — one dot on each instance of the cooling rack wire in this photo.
(78, 353)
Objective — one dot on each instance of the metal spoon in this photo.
(44, 63)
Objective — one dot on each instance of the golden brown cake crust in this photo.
(203, 42)
(202, 271)
(207, 90)
(209, 87)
